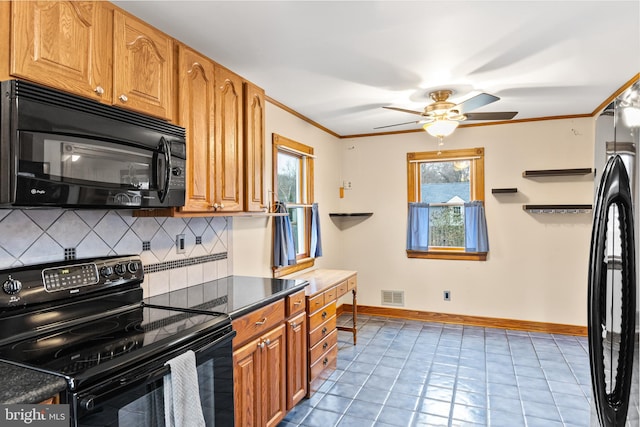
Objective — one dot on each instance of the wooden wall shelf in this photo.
(558, 208)
(503, 190)
(556, 172)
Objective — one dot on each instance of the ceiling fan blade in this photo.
(398, 124)
(505, 115)
(403, 110)
(474, 102)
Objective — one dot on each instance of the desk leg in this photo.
(355, 314)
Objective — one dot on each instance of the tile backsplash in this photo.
(33, 236)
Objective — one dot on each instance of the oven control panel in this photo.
(72, 276)
(26, 285)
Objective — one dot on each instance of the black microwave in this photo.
(61, 150)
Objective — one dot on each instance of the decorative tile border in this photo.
(169, 265)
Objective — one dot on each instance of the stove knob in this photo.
(133, 267)
(11, 286)
(177, 171)
(106, 271)
(87, 403)
(120, 269)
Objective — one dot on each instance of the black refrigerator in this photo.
(613, 300)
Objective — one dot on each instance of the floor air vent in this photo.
(393, 298)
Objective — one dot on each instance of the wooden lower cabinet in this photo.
(296, 359)
(260, 380)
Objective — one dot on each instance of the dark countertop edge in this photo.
(266, 301)
(24, 385)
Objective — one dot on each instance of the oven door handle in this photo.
(89, 401)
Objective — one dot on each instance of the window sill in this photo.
(289, 269)
(455, 255)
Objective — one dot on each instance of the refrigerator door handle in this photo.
(612, 405)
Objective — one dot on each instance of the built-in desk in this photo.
(322, 292)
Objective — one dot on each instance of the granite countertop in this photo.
(24, 385)
(233, 295)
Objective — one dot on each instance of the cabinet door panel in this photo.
(229, 162)
(296, 360)
(254, 147)
(274, 371)
(63, 44)
(246, 383)
(196, 105)
(143, 63)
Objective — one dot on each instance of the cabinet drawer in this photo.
(316, 335)
(327, 360)
(315, 303)
(295, 303)
(351, 282)
(325, 344)
(341, 289)
(257, 322)
(322, 315)
(330, 294)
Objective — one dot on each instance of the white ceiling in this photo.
(339, 62)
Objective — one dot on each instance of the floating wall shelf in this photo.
(503, 190)
(351, 214)
(557, 208)
(556, 172)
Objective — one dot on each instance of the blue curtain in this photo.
(316, 241)
(284, 251)
(475, 228)
(418, 227)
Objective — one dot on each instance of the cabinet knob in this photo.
(293, 325)
(324, 314)
(260, 344)
(218, 206)
(325, 345)
(325, 361)
(123, 98)
(99, 90)
(267, 341)
(324, 330)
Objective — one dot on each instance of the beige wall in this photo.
(537, 266)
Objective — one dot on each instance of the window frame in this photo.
(476, 179)
(306, 159)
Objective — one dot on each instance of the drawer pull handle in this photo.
(324, 330)
(297, 303)
(325, 361)
(324, 314)
(325, 345)
(262, 322)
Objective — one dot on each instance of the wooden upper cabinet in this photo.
(196, 96)
(254, 146)
(63, 44)
(142, 67)
(229, 142)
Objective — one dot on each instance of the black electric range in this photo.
(85, 321)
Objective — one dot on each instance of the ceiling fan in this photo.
(441, 117)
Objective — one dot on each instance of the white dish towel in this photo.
(181, 393)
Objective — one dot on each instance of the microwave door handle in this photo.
(165, 149)
(614, 189)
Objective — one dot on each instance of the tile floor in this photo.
(410, 373)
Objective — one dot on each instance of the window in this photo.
(293, 184)
(446, 180)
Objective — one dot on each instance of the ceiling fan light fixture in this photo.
(440, 128)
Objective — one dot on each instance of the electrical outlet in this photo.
(180, 247)
(346, 185)
(447, 295)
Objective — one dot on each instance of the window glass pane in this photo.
(289, 178)
(445, 182)
(297, 217)
(446, 226)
